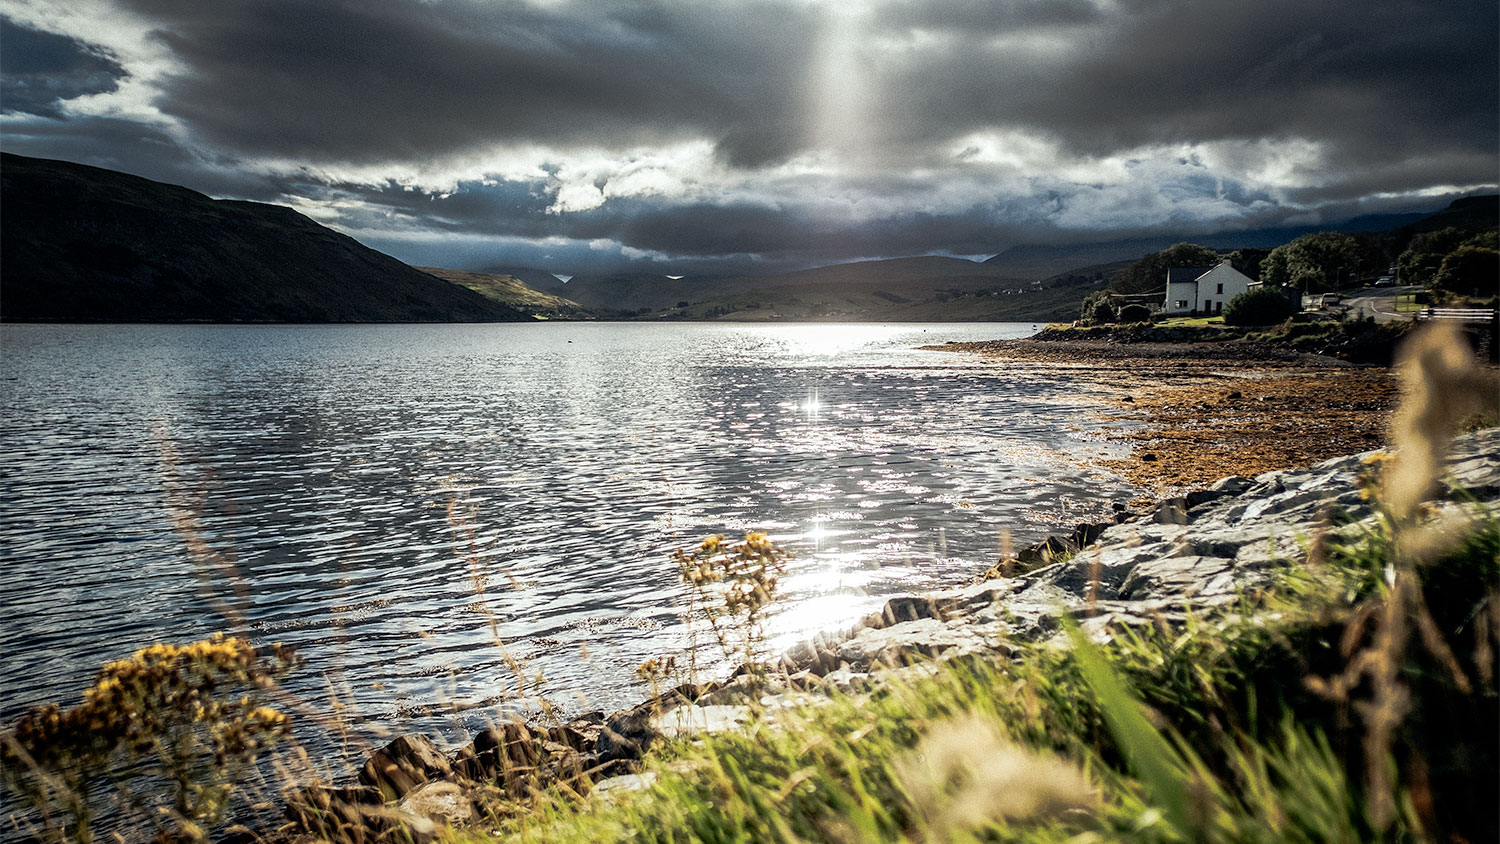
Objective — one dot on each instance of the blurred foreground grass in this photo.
(1221, 731)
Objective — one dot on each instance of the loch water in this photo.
(451, 521)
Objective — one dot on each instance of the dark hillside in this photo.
(81, 243)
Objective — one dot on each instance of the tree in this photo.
(1469, 269)
(1150, 273)
(1248, 260)
(1259, 306)
(1098, 307)
(1317, 262)
(1425, 254)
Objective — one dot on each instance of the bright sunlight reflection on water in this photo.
(378, 495)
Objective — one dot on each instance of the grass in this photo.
(1197, 322)
(1205, 732)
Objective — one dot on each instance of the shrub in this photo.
(1098, 308)
(1259, 306)
(732, 586)
(182, 720)
(1135, 313)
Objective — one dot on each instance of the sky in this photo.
(713, 136)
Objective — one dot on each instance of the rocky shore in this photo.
(1196, 411)
(1192, 553)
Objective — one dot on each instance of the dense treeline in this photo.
(1461, 259)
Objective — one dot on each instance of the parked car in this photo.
(1385, 281)
(1329, 299)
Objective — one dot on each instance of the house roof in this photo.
(1179, 275)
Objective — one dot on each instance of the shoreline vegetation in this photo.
(1334, 679)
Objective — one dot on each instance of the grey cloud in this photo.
(382, 80)
(142, 150)
(1378, 81)
(387, 80)
(38, 70)
(1403, 96)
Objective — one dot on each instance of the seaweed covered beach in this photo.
(1196, 412)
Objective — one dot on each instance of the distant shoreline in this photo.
(1193, 413)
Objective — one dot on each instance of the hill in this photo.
(1471, 213)
(1041, 260)
(513, 293)
(920, 289)
(81, 243)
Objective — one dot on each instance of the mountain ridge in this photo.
(86, 244)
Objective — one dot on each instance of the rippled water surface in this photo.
(378, 495)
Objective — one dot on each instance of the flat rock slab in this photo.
(692, 720)
(908, 641)
(614, 787)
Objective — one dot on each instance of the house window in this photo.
(1218, 307)
(1221, 289)
(1180, 303)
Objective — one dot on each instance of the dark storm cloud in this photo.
(143, 150)
(1338, 101)
(381, 80)
(1378, 81)
(687, 231)
(40, 69)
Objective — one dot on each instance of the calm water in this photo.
(377, 495)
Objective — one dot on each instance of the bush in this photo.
(172, 728)
(1135, 313)
(1259, 306)
(1098, 307)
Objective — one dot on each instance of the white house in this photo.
(1203, 290)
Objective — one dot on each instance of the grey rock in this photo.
(907, 642)
(613, 788)
(442, 802)
(1477, 476)
(976, 596)
(848, 681)
(692, 720)
(1186, 577)
(402, 765)
(1173, 511)
(1232, 485)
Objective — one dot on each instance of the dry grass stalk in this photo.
(1441, 386)
(965, 774)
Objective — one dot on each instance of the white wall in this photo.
(1217, 286)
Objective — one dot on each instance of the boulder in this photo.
(1183, 577)
(355, 815)
(626, 736)
(444, 803)
(909, 642)
(404, 764)
(692, 720)
(613, 787)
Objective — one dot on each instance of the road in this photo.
(1379, 302)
